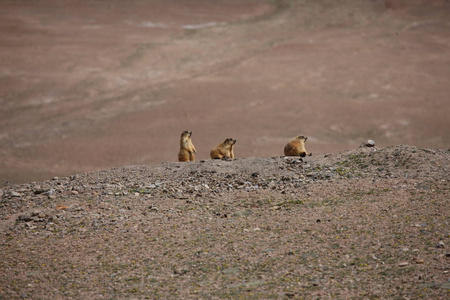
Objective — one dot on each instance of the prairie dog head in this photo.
(229, 142)
(302, 138)
(186, 134)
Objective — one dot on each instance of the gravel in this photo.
(365, 223)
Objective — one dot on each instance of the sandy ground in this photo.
(91, 85)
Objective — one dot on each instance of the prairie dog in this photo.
(224, 150)
(296, 147)
(187, 149)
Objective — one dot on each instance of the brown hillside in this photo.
(367, 224)
(99, 84)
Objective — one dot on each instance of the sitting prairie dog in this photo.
(187, 149)
(224, 150)
(296, 147)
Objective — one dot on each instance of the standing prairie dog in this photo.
(187, 149)
(224, 150)
(296, 147)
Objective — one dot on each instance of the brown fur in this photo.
(223, 150)
(296, 147)
(232, 150)
(187, 149)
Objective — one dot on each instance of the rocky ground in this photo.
(367, 224)
(91, 85)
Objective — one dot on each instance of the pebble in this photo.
(179, 271)
(16, 194)
(25, 218)
(368, 143)
(153, 208)
(419, 261)
(289, 294)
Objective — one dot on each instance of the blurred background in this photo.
(92, 84)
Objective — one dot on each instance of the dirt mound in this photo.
(368, 223)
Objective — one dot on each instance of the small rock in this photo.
(16, 194)
(74, 192)
(403, 264)
(153, 208)
(40, 189)
(289, 294)
(25, 218)
(368, 143)
(36, 213)
(418, 261)
(30, 226)
(244, 213)
(179, 271)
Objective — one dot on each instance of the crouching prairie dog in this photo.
(296, 147)
(187, 149)
(224, 150)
